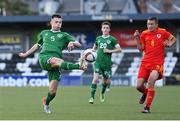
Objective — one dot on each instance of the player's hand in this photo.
(105, 50)
(70, 46)
(93, 50)
(22, 55)
(136, 34)
(166, 43)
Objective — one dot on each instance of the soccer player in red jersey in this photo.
(152, 42)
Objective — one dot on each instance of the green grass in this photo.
(72, 103)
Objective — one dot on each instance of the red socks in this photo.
(144, 90)
(150, 97)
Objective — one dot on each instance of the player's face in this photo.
(56, 24)
(105, 29)
(151, 25)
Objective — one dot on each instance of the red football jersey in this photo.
(154, 45)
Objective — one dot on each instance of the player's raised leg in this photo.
(59, 63)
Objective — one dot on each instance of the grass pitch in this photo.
(72, 103)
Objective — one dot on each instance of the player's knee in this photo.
(52, 61)
(52, 91)
(105, 81)
(150, 84)
(60, 61)
(56, 62)
(151, 81)
(139, 86)
(95, 81)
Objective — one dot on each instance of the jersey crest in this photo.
(108, 41)
(59, 35)
(158, 36)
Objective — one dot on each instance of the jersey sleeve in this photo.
(40, 39)
(114, 41)
(167, 35)
(69, 38)
(96, 42)
(142, 38)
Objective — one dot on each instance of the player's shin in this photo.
(108, 85)
(150, 96)
(104, 85)
(69, 66)
(50, 97)
(144, 90)
(93, 90)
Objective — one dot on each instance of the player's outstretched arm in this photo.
(137, 39)
(76, 44)
(30, 51)
(71, 45)
(116, 50)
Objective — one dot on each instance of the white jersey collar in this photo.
(55, 31)
(105, 36)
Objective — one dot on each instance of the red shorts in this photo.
(146, 68)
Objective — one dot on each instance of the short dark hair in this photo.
(106, 23)
(56, 16)
(154, 19)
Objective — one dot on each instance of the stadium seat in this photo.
(71, 7)
(114, 6)
(93, 7)
(2, 66)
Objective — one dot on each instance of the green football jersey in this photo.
(53, 43)
(104, 59)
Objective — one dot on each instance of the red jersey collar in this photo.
(154, 31)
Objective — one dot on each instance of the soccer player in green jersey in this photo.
(105, 45)
(52, 43)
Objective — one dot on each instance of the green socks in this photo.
(104, 85)
(50, 97)
(69, 66)
(93, 90)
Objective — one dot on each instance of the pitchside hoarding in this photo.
(86, 38)
(120, 80)
(22, 81)
(11, 43)
(66, 80)
(124, 37)
(36, 81)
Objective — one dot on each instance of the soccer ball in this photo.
(89, 55)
